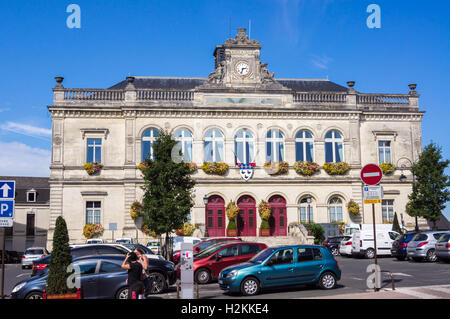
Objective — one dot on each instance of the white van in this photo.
(94, 241)
(363, 244)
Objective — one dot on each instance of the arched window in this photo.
(274, 146)
(335, 208)
(306, 210)
(184, 138)
(214, 146)
(148, 138)
(244, 147)
(334, 145)
(304, 146)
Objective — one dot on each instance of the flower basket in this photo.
(264, 229)
(148, 232)
(192, 167)
(387, 168)
(136, 210)
(231, 232)
(186, 230)
(232, 211)
(306, 168)
(73, 295)
(93, 231)
(264, 232)
(353, 208)
(218, 168)
(339, 168)
(264, 210)
(93, 168)
(276, 168)
(143, 166)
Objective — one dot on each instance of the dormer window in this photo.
(31, 196)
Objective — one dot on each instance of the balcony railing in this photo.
(93, 94)
(322, 97)
(383, 99)
(159, 95)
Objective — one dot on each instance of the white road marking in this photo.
(421, 295)
(441, 289)
(401, 274)
(23, 275)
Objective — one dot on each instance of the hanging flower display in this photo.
(264, 210)
(142, 166)
(192, 167)
(339, 168)
(186, 230)
(276, 168)
(306, 168)
(93, 168)
(93, 231)
(218, 168)
(148, 232)
(387, 168)
(232, 210)
(136, 210)
(353, 208)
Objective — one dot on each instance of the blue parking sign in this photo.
(6, 208)
(7, 189)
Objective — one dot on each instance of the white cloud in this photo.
(28, 130)
(18, 159)
(321, 62)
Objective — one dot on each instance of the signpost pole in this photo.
(3, 263)
(374, 242)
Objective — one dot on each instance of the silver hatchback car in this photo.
(422, 246)
(443, 247)
(32, 254)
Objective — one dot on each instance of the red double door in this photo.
(215, 216)
(246, 219)
(278, 219)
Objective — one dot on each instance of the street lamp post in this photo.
(403, 179)
(205, 201)
(308, 200)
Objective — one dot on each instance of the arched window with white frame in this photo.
(304, 146)
(335, 209)
(274, 146)
(214, 146)
(184, 138)
(306, 210)
(244, 147)
(148, 138)
(334, 147)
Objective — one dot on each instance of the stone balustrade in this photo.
(383, 99)
(158, 95)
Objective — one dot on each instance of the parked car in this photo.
(32, 254)
(282, 266)
(127, 240)
(399, 246)
(345, 246)
(101, 278)
(209, 263)
(202, 245)
(95, 241)
(155, 246)
(363, 242)
(422, 246)
(443, 247)
(332, 243)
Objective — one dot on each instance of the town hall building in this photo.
(241, 115)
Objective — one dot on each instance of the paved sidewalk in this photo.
(425, 292)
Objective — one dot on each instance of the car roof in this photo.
(296, 246)
(105, 257)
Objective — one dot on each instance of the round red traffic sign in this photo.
(371, 174)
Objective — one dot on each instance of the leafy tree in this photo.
(59, 261)
(317, 231)
(396, 226)
(168, 190)
(430, 192)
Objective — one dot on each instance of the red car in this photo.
(203, 245)
(209, 263)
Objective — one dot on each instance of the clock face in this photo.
(242, 68)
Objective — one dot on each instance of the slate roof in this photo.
(24, 184)
(181, 83)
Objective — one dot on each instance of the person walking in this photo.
(143, 260)
(135, 285)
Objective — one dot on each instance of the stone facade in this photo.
(240, 94)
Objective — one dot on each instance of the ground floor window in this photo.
(30, 224)
(306, 210)
(335, 210)
(387, 210)
(93, 211)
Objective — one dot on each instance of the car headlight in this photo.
(233, 273)
(18, 287)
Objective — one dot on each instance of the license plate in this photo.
(441, 246)
(394, 251)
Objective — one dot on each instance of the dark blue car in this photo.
(399, 246)
(101, 278)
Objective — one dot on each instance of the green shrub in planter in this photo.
(317, 231)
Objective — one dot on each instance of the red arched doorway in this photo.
(277, 220)
(246, 220)
(215, 216)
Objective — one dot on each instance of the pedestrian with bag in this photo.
(143, 260)
(135, 284)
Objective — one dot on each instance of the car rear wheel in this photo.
(122, 293)
(34, 295)
(250, 286)
(327, 280)
(370, 253)
(158, 283)
(335, 251)
(202, 276)
(431, 255)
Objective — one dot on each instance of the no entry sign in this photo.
(371, 174)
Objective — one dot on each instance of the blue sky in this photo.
(300, 38)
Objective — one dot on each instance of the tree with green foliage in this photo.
(396, 226)
(317, 231)
(168, 190)
(430, 190)
(60, 259)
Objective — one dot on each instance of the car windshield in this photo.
(262, 255)
(420, 237)
(208, 252)
(34, 251)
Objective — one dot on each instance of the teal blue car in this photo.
(282, 266)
